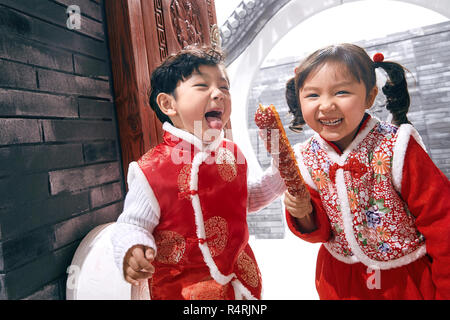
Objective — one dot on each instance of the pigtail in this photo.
(396, 91)
(294, 106)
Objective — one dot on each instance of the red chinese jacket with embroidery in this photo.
(380, 206)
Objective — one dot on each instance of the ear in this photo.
(371, 97)
(166, 104)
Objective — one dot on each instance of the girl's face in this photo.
(202, 103)
(333, 103)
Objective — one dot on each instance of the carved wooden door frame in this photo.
(141, 34)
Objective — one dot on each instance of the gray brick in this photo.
(19, 189)
(23, 25)
(25, 103)
(16, 131)
(25, 280)
(28, 159)
(87, 7)
(56, 14)
(3, 289)
(106, 194)
(17, 75)
(48, 292)
(78, 227)
(26, 248)
(30, 52)
(95, 109)
(70, 84)
(90, 67)
(77, 130)
(82, 178)
(100, 151)
(36, 214)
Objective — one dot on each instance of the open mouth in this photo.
(214, 119)
(331, 122)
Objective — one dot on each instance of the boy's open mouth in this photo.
(214, 119)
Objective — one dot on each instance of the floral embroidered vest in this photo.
(370, 222)
(202, 235)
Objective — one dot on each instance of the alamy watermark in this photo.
(374, 280)
(74, 19)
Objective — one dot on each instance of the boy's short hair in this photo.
(178, 67)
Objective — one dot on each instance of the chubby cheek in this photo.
(309, 116)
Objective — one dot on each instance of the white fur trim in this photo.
(240, 291)
(301, 165)
(340, 159)
(192, 139)
(341, 258)
(405, 131)
(201, 234)
(350, 234)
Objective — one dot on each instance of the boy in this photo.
(184, 226)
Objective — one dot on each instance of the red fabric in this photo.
(181, 271)
(426, 191)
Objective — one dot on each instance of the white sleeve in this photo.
(139, 218)
(265, 189)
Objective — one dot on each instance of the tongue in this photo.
(214, 123)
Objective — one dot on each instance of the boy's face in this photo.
(202, 104)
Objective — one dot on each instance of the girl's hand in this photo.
(300, 208)
(297, 207)
(137, 264)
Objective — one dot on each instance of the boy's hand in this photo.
(137, 264)
(297, 207)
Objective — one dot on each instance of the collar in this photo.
(190, 138)
(361, 126)
(339, 156)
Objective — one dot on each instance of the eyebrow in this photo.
(205, 75)
(339, 84)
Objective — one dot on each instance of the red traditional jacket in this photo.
(202, 235)
(369, 221)
(361, 229)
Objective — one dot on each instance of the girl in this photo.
(379, 203)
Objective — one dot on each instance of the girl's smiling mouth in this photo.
(331, 122)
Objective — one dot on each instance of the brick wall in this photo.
(423, 51)
(60, 172)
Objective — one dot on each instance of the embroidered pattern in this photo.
(216, 230)
(226, 164)
(171, 246)
(183, 181)
(383, 229)
(206, 290)
(248, 270)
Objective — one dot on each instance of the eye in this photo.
(341, 92)
(201, 85)
(311, 95)
(225, 88)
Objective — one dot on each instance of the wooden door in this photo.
(141, 34)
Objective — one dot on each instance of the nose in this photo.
(217, 94)
(326, 105)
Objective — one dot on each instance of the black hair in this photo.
(178, 67)
(362, 68)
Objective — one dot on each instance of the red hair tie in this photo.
(378, 57)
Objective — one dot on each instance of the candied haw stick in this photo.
(267, 118)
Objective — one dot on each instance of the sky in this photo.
(351, 22)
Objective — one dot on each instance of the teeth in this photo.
(331, 122)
